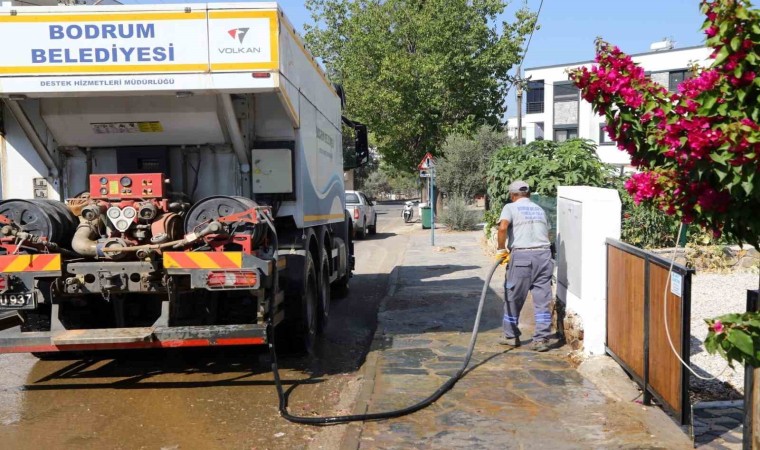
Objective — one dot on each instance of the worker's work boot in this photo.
(543, 345)
(509, 342)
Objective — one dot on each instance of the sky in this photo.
(568, 27)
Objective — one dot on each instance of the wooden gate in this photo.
(636, 320)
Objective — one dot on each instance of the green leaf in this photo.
(741, 340)
(738, 72)
(709, 102)
(721, 57)
(736, 43)
(711, 344)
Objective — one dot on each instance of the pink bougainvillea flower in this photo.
(717, 327)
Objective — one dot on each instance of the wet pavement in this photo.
(510, 398)
(201, 398)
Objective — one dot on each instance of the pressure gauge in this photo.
(113, 212)
(126, 181)
(103, 191)
(122, 225)
(129, 212)
(103, 180)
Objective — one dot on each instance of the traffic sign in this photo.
(428, 161)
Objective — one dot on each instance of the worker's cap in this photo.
(518, 186)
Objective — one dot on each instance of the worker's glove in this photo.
(503, 255)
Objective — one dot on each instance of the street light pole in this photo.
(432, 206)
(519, 111)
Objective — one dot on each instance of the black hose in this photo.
(331, 420)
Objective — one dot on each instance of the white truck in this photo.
(170, 175)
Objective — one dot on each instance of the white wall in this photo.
(586, 217)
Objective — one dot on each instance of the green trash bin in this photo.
(427, 217)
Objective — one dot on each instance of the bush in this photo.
(544, 165)
(646, 226)
(457, 216)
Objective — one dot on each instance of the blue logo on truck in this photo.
(112, 54)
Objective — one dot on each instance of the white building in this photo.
(555, 111)
(512, 128)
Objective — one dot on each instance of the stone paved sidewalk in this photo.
(511, 398)
(718, 425)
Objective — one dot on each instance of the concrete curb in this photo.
(352, 437)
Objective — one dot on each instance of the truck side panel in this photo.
(319, 143)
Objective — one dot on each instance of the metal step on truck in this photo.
(171, 176)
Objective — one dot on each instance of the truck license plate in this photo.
(18, 300)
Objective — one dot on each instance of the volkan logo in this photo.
(238, 33)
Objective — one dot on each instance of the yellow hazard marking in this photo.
(316, 217)
(30, 263)
(203, 260)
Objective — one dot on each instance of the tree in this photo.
(362, 174)
(376, 184)
(382, 181)
(697, 149)
(416, 70)
(544, 165)
(462, 169)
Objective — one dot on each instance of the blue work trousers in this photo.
(529, 270)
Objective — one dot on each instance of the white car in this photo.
(362, 212)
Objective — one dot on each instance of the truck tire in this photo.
(339, 287)
(362, 233)
(299, 330)
(324, 291)
(373, 227)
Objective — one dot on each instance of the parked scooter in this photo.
(408, 212)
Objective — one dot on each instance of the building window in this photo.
(604, 138)
(564, 134)
(677, 77)
(535, 97)
(539, 130)
(564, 92)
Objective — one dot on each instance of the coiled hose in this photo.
(332, 420)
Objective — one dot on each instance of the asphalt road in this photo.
(202, 398)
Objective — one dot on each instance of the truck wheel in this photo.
(324, 291)
(340, 287)
(361, 234)
(373, 227)
(302, 308)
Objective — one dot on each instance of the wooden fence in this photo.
(636, 320)
(752, 390)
